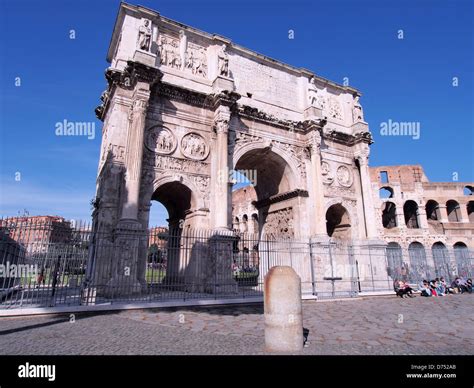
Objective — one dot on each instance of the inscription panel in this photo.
(264, 82)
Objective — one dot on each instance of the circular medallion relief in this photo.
(344, 176)
(160, 140)
(194, 146)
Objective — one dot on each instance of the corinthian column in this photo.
(318, 227)
(133, 161)
(363, 157)
(222, 185)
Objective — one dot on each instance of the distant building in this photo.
(157, 235)
(244, 212)
(412, 212)
(37, 233)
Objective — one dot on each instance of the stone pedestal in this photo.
(219, 277)
(145, 57)
(313, 112)
(124, 264)
(223, 83)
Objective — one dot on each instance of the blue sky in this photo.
(406, 79)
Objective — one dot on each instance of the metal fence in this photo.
(417, 264)
(46, 264)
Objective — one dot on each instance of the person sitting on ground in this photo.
(448, 290)
(469, 285)
(461, 284)
(455, 285)
(397, 289)
(432, 285)
(406, 289)
(440, 290)
(425, 289)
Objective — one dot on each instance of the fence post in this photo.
(313, 274)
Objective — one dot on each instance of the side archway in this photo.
(338, 223)
(179, 196)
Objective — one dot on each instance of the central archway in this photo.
(274, 181)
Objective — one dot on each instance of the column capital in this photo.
(221, 119)
(362, 156)
(315, 142)
(221, 125)
(139, 103)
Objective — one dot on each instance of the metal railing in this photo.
(55, 263)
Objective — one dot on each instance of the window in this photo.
(383, 177)
(468, 190)
(389, 215)
(386, 192)
(454, 211)
(417, 174)
(432, 210)
(410, 210)
(470, 211)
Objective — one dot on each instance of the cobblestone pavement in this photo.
(381, 325)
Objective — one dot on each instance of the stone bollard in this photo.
(282, 309)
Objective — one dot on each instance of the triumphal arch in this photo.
(184, 108)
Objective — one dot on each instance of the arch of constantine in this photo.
(183, 110)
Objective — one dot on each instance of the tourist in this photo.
(469, 285)
(404, 290)
(425, 289)
(461, 284)
(396, 287)
(40, 279)
(448, 290)
(235, 268)
(440, 289)
(455, 285)
(432, 286)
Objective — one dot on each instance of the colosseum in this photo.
(426, 224)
